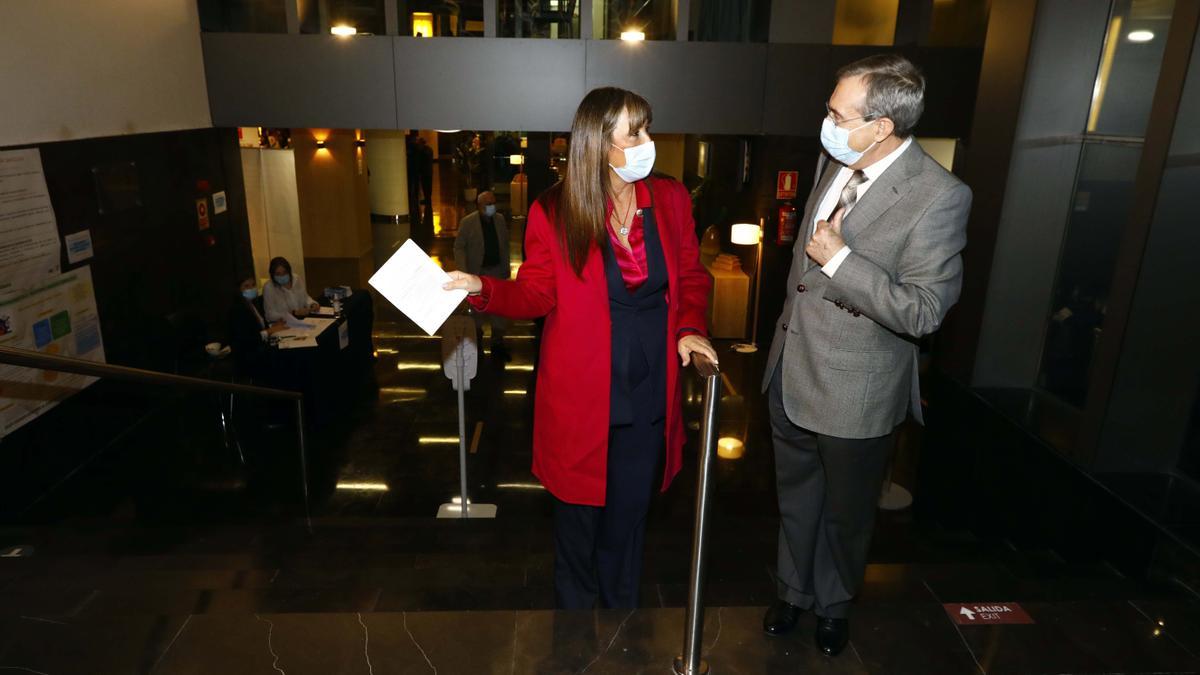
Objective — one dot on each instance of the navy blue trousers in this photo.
(598, 549)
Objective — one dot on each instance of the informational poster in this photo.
(29, 245)
(54, 316)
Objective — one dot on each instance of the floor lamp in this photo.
(518, 186)
(749, 234)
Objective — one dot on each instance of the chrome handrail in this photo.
(690, 663)
(64, 364)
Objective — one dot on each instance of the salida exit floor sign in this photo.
(987, 614)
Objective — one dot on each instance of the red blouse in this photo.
(632, 261)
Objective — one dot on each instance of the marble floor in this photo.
(146, 565)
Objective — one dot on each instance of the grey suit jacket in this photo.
(468, 246)
(849, 343)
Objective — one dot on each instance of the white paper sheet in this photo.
(412, 282)
(29, 245)
(304, 335)
(293, 322)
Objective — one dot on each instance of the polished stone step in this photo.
(911, 638)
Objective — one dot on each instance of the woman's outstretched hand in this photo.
(696, 344)
(463, 282)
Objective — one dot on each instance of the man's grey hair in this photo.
(895, 89)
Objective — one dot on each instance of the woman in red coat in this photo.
(613, 265)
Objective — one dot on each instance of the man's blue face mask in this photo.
(837, 141)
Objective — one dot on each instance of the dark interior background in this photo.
(162, 285)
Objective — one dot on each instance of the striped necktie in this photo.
(849, 194)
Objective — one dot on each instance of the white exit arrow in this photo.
(967, 613)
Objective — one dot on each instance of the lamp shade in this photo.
(745, 234)
(729, 447)
(516, 160)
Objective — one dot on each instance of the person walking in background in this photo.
(481, 247)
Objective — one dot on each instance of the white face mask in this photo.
(639, 160)
(837, 142)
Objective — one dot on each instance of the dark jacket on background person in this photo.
(470, 244)
(247, 338)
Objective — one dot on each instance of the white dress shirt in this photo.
(280, 301)
(833, 194)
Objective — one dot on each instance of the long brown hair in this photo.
(576, 204)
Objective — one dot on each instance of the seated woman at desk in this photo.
(285, 293)
(248, 331)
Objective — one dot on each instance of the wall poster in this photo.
(57, 316)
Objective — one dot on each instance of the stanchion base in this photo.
(745, 348)
(473, 511)
(895, 498)
(680, 669)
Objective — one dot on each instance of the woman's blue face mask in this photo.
(283, 279)
(250, 293)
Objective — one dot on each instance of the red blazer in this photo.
(570, 419)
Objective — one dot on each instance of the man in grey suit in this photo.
(877, 268)
(481, 247)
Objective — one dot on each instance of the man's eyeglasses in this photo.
(829, 112)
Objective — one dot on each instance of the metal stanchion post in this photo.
(303, 462)
(462, 431)
(690, 663)
(459, 355)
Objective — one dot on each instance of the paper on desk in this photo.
(412, 282)
(296, 338)
(292, 322)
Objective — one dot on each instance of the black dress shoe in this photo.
(781, 618)
(832, 635)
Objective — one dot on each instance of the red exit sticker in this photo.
(987, 614)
